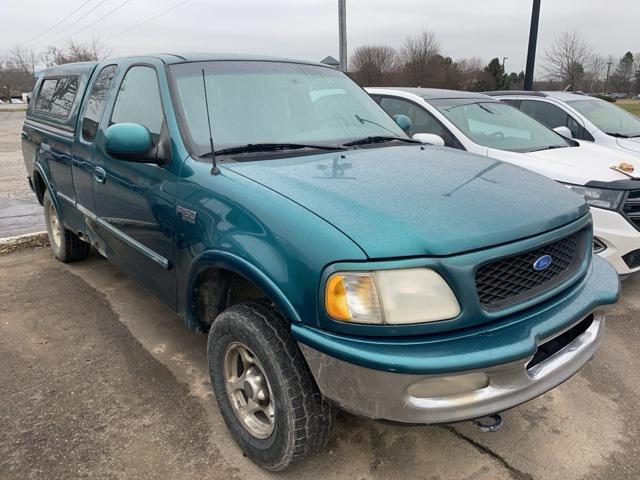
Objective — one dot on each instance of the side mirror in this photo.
(564, 131)
(129, 141)
(403, 122)
(429, 138)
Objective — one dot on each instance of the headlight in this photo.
(414, 295)
(599, 197)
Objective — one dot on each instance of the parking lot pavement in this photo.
(99, 379)
(20, 212)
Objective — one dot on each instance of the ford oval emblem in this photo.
(542, 263)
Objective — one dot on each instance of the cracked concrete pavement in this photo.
(100, 380)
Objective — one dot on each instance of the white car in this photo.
(483, 125)
(588, 118)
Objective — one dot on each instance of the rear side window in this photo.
(57, 95)
(95, 105)
(138, 100)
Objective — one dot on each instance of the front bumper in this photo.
(373, 376)
(618, 235)
(383, 395)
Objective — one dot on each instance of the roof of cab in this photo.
(171, 58)
(68, 69)
(437, 93)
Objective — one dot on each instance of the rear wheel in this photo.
(266, 394)
(66, 245)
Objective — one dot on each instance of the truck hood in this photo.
(408, 201)
(631, 144)
(577, 165)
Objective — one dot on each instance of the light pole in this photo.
(342, 33)
(533, 41)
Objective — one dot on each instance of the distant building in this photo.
(332, 62)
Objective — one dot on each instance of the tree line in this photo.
(569, 63)
(18, 68)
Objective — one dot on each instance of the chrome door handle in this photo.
(99, 175)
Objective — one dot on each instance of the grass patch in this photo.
(632, 106)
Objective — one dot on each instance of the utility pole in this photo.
(504, 81)
(533, 41)
(606, 82)
(342, 28)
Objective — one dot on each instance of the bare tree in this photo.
(14, 79)
(25, 59)
(596, 72)
(566, 58)
(370, 63)
(75, 51)
(417, 55)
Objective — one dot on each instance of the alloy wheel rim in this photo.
(55, 226)
(249, 391)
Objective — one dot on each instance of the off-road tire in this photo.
(303, 418)
(65, 245)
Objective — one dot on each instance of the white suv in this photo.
(588, 118)
(483, 125)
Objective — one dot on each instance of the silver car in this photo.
(588, 118)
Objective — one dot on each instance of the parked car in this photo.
(333, 260)
(589, 118)
(483, 125)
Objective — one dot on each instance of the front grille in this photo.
(512, 280)
(631, 208)
(632, 259)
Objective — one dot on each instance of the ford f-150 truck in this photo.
(333, 260)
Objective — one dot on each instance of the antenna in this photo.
(214, 169)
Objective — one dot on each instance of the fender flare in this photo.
(228, 261)
(37, 168)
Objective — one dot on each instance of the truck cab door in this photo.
(83, 162)
(135, 202)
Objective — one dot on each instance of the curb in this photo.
(22, 242)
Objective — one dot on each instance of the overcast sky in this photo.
(307, 29)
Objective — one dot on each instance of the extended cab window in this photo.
(57, 95)
(95, 105)
(138, 100)
(421, 120)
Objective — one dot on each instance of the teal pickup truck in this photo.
(333, 260)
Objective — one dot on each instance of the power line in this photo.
(55, 24)
(99, 20)
(70, 25)
(147, 20)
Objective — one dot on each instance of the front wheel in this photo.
(265, 392)
(66, 245)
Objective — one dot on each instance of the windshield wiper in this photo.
(270, 147)
(548, 147)
(379, 139)
(616, 134)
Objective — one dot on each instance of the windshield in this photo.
(498, 125)
(274, 102)
(607, 117)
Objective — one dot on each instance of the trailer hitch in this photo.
(493, 424)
